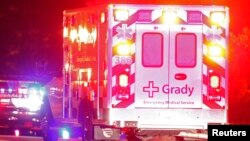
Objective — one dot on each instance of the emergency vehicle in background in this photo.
(22, 106)
(147, 67)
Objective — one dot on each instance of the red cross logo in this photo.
(150, 89)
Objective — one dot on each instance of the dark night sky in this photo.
(31, 36)
(31, 32)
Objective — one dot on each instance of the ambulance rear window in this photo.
(152, 49)
(185, 50)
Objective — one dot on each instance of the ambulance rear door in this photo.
(151, 71)
(185, 67)
(168, 72)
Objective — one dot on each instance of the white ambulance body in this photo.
(152, 67)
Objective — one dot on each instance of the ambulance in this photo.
(147, 67)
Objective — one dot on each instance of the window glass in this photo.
(185, 50)
(152, 49)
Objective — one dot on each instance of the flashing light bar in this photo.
(73, 35)
(65, 32)
(17, 133)
(218, 17)
(65, 134)
(66, 66)
(5, 101)
(83, 34)
(31, 99)
(215, 51)
(2, 90)
(23, 91)
(121, 15)
(123, 49)
(169, 17)
(103, 17)
(10, 90)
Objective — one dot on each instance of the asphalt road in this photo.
(21, 138)
(27, 138)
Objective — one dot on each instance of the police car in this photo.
(24, 108)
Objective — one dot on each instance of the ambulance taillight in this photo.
(214, 81)
(123, 80)
(214, 89)
(123, 90)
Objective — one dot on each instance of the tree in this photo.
(239, 77)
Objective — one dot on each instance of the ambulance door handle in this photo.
(180, 76)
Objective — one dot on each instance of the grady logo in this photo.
(167, 89)
(152, 89)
